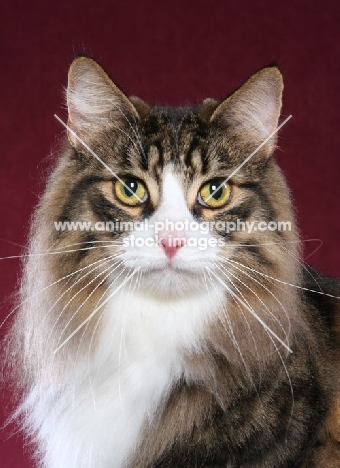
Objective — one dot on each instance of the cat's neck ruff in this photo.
(138, 359)
(166, 326)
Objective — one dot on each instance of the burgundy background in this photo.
(168, 52)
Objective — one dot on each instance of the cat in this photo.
(167, 345)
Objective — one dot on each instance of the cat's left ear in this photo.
(94, 102)
(251, 113)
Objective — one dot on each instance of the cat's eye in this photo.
(130, 191)
(214, 194)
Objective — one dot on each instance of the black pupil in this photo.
(213, 187)
(130, 187)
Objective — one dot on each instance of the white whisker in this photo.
(96, 156)
(44, 289)
(232, 336)
(251, 311)
(96, 310)
(262, 302)
(111, 268)
(302, 264)
(285, 282)
(81, 278)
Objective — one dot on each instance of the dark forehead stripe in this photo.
(179, 135)
(189, 143)
(157, 133)
(172, 131)
(196, 156)
(193, 141)
(155, 160)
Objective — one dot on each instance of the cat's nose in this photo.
(172, 242)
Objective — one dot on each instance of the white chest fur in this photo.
(138, 358)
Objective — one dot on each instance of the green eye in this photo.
(214, 193)
(132, 191)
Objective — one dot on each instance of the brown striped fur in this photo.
(249, 405)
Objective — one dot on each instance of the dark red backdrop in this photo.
(173, 52)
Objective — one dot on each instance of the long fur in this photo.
(180, 365)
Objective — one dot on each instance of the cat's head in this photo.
(175, 170)
(184, 199)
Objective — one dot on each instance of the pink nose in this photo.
(171, 242)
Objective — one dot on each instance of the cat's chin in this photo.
(170, 281)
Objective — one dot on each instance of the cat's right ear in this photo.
(94, 102)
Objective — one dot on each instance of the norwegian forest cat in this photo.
(177, 346)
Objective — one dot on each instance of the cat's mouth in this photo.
(172, 277)
(170, 266)
(172, 280)
(186, 268)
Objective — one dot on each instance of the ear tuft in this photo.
(206, 109)
(94, 102)
(252, 111)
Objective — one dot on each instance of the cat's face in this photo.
(165, 206)
(180, 174)
(169, 248)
